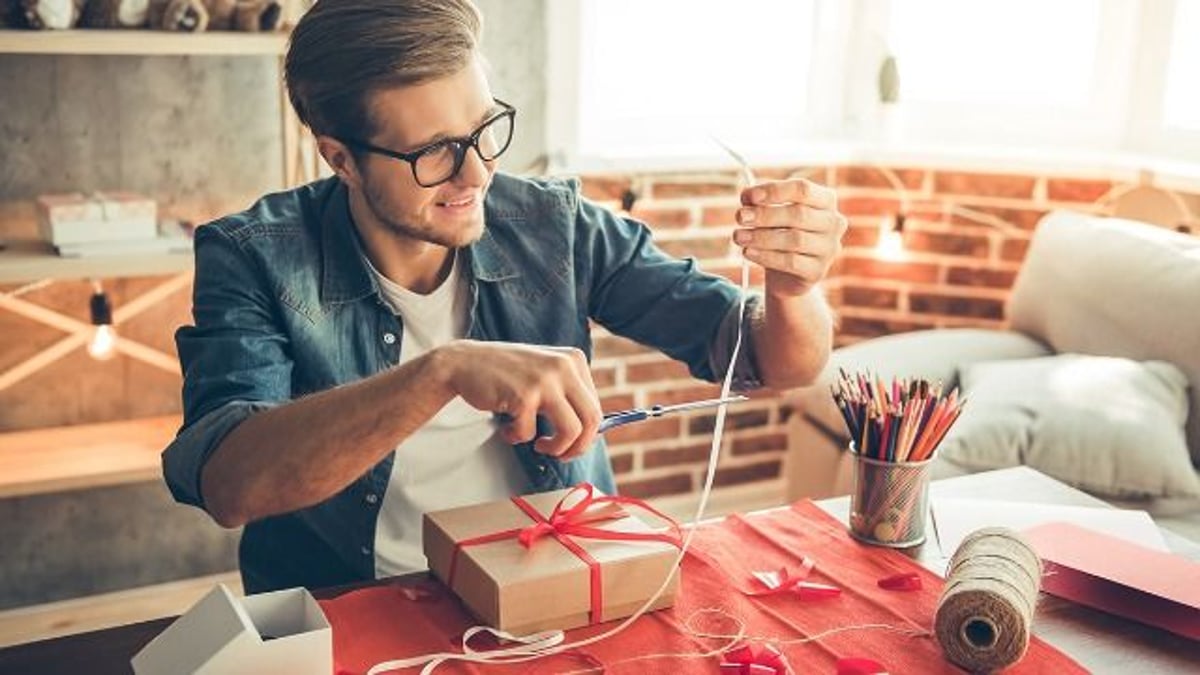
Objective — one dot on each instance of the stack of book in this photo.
(115, 223)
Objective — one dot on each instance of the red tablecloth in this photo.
(389, 622)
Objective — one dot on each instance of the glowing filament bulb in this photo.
(891, 238)
(103, 343)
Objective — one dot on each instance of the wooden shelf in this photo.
(83, 456)
(26, 261)
(140, 42)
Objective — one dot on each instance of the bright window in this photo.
(1181, 104)
(996, 52)
(648, 82)
(662, 76)
(1018, 72)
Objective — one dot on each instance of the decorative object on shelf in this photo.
(72, 219)
(891, 112)
(47, 14)
(101, 224)
(174, 15)
(103, 343)
(200, 15)
(115, 14)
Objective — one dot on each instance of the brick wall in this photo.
(956, 272)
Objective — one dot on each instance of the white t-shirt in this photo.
(458, 457)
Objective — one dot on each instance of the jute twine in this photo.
(984, 616)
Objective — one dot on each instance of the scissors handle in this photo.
(613, 420)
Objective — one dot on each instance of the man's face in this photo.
(412, 117)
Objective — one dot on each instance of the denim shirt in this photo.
(284, 305)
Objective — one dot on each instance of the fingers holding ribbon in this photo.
(793, 229)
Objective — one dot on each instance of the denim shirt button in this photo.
(542, 468)
(372, 498)
(389, 338)
(365, 550)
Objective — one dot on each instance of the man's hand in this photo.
(793, 229)
(522, 381)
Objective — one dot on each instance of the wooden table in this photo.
(1101, 642)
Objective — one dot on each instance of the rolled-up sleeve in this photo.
(746, 372)
(235, 358)
(640, 292)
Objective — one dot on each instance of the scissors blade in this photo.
(693, 405)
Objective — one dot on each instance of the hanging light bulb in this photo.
(891, 238)
(103, 344)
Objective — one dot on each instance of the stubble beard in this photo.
(452, 240)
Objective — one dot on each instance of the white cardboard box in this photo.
(114, 216)
(279, 632)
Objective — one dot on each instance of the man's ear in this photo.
(340, 159)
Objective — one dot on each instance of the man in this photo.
(358, 340)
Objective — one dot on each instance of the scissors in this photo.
(617, 419)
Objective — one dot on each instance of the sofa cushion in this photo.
(1114, 287)
(1107, 425)
(934, 355)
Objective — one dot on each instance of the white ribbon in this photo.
(527, 644)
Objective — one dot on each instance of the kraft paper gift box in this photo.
(114, 216)
(546, 585)
(278, 632)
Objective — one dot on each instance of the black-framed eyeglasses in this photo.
(441, 161)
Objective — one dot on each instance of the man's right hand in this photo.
(523, 381)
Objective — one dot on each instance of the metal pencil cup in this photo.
(889, 503)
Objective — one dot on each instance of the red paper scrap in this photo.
(907, 581)
(748, 660)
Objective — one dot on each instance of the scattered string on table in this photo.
(739, 636)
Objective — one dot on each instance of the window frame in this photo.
(1124, 116)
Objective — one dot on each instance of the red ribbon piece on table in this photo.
(782, 580)
(785, 582)
(746, 660)
(860, 666)
(908, 581)
(576, 520)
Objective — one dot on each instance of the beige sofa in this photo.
(1089, 285)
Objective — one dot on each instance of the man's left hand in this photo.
(793, 229)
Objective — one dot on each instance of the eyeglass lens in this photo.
(442, 161)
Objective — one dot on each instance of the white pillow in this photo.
(1110, 426)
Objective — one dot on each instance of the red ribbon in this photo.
(746, 660)
(576, 520)
(785, 582)
(907, 581)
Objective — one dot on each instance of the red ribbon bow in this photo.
(576, 520)
(746, 660)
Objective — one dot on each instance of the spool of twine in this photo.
(985, 614)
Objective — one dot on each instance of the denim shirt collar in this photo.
(344, 273)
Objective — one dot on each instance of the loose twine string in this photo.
(985, 615)
(739, 636)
